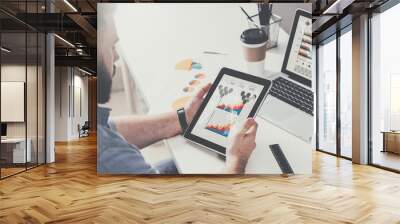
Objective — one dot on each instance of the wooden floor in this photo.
(5, 172)
(387, 159)
(70, 191)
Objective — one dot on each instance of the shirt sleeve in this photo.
(116, 156)
(112, 125)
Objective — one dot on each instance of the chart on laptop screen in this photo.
(300, 58)
(229, 105)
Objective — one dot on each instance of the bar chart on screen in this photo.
(232, 108)
(221, 129)
(221, 122)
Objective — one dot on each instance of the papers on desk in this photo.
(181, 102)
(184, 64)
(187, 64)
(189, 76)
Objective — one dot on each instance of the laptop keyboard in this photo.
(293, 94)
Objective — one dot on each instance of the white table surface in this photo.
(13, 140)
(19, 151)
(153, 45)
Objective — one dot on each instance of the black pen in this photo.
(213, 52)
(263, 14)
(269, 14)
(268, 19)
(244, 11)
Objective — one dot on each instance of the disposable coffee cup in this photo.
(254, 42)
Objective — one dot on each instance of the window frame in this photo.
(334, 37)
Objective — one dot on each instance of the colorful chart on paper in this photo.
(188, 64)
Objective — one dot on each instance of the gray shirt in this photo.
(114, 154)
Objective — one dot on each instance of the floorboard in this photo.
(70, 191)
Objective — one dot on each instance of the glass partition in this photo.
(346, 93)
(327, 96)
(13, 109)
(385, 89)
(22, 77)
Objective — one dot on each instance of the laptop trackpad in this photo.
(287, 117)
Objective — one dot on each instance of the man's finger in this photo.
(253, 129)
(203, 91)
(247, 125)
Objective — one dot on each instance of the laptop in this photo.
(290, 102)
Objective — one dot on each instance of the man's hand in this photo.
(242, 145)
(195, 103)
(153, 128)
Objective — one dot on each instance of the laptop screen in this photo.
(298, 58)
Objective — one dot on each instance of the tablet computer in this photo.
(233, 97)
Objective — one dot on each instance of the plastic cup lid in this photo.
(253, 36)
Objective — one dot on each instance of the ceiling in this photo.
(332, 15)
(75, 22)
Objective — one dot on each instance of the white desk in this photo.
(19, 154)
(214, 27)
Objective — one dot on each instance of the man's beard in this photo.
(104, 83)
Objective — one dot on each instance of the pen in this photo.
(249, 17)
(263, 14)
(244, 11)
(213, 52)
(269, 15)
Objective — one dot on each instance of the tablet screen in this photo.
(229, 106)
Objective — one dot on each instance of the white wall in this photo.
(12, 100)
(62, 81)
(16, 73)
(33, 126)
(79, 117)
(70, 83)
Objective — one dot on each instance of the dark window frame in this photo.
(29, 29)
(334, 37)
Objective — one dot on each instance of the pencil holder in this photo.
(272, 29)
